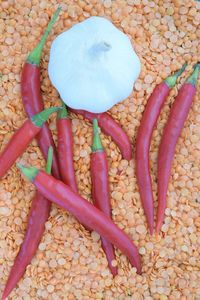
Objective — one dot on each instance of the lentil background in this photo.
(70, 263)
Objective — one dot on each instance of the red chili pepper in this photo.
(87, 214)
(35, 228)
(148, 123)
(65, 149)
(100, 188)
(31, 94)
(110, 127)
(22, 138)
(171, 133)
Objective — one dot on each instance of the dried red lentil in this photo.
(165, 35)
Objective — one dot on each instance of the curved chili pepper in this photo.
(171, 133)
(110, 127)
(22, 138)
(31, 94)
(148, 123)
(100, 188)
(35, 228)
(65, 149)
(87, 214)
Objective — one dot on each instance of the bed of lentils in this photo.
(70, 263)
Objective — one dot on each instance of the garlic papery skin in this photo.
(93, 65)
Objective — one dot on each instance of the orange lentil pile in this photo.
(70, 263)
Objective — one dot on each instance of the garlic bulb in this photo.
(93, 65)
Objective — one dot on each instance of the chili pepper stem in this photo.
(192, 79)
(49, 160)
(30, 172)
(97, 145)
(171, 80)
(35, 55)
(63, 112)
(39, 119)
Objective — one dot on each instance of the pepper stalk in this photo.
(192, 79)
(49, 160)
(63, 112)
(31, 172)
(97, 145)
(40, 118)
(171, 80)
(35, 56)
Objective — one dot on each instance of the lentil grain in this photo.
(164, 34)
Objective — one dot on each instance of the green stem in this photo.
(171, 80)
(35, 56)
(192, 79)
(63, 113)
(39, 119)
(97, 145)
(49, 160)
(30, 172)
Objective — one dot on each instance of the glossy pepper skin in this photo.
(65, 149)
(21, 139)
(87, 214)
(110, 127)
(171, 133)
(31, 94)
(35, 229)
(144, 135)
(100, 189)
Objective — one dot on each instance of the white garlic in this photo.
(93, 65)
